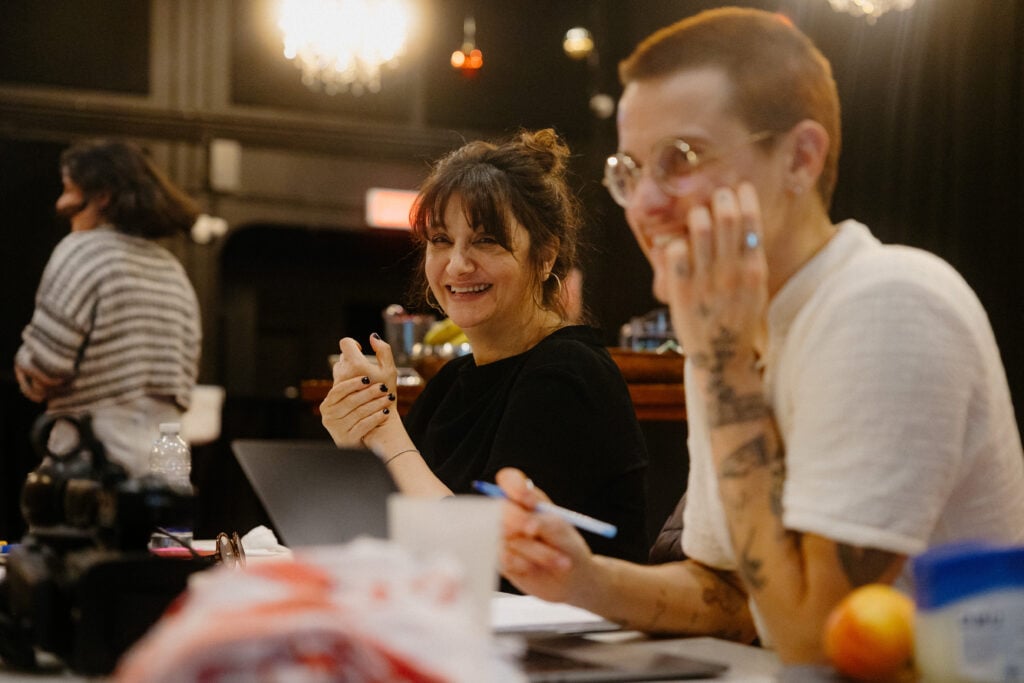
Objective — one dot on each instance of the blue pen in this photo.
(577, 519)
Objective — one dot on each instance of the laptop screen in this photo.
(316, 493)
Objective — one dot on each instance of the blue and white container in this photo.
(970, 614)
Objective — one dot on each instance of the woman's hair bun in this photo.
(547, 148)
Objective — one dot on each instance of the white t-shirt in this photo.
(893, 407)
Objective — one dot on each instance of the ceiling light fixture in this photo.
(469, 58)
(872, 9)
(342, 45)
(578, 43)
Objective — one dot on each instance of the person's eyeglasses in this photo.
(230, 551)
(673, 162)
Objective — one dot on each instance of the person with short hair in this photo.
(116, 329)
(499, 231)
(847, 405)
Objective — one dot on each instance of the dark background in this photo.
(933, 104)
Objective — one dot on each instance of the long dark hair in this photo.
(142, 201)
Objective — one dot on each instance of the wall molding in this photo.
(60, 114)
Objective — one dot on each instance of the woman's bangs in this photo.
(484, 203)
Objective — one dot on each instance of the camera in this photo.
(82, 584)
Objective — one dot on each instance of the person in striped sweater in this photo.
(116, 329)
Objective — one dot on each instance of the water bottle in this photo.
(171, 460)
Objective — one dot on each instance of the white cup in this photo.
(466, 528)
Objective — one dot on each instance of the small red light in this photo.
(467, 62)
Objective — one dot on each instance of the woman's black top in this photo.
(560, 412)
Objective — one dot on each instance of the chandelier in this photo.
(872, 9)
(342, 45)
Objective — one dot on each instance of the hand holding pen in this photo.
(543, 554)
(577, 519)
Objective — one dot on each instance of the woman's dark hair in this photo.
(142, 201)
(523, 178)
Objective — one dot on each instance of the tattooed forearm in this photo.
(863, 565)
(726, 405)
(750, 566)
(700, 360)
(778, 475)
(660, 605)
(731, 409)
(755, 458)
(722, 597)
(751, 456)
(652, 622)
(756, 455)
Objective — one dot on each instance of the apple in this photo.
(869, 634)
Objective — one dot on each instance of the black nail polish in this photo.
(391, 397)
(384, 388)
(387, 411)
(375, 335)
(366, 380)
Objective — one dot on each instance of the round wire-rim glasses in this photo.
(675, 161)
(230, 551)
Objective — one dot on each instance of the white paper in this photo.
(525, 613)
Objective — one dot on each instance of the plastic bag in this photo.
(362, 612)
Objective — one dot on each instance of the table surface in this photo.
(746, 663)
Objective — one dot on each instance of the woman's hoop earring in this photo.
(541, 304)
(433, 304)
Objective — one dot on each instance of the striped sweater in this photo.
(116, 318)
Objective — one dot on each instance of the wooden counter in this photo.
(655, 384)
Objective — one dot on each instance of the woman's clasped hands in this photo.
(363, 396)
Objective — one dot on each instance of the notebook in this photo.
(577, 659)
(316, 493)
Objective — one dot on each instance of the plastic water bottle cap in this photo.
(170, 427)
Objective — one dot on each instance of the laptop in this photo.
(316, 493)
(577, 659)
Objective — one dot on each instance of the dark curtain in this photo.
(29, 185)
(933, 109)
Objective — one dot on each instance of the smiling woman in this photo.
(483, 286)
(499, 232)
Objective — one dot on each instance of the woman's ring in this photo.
(751, 240)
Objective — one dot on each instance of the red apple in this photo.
(869, 635)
